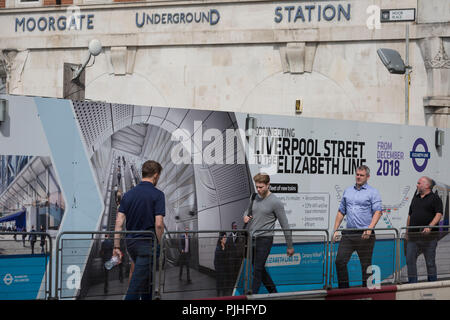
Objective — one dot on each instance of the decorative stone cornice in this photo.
(7, 57)
(440, 61)
(13, 62)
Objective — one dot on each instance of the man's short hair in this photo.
(262, 178)
(364, 168)
(430, 181)
(149, 168)
(433, 183)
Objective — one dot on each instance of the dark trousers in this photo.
(261, 251)
(140, 287)
(184, 261)
(106, 275)
(106, 280)
(413, 250)
(351, 242)
(221, 280)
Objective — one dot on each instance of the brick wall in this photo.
(54, 2)
(45, 2)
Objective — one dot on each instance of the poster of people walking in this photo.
(88, 155)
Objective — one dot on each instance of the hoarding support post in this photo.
(407, 76)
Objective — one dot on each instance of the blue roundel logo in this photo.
(419, 153)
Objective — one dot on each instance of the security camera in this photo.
(95, 48)
(392, 61)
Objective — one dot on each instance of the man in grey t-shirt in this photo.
(266, 209)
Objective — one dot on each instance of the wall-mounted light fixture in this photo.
(439, 138)
(3, 110)
(395, 65)
(298, 106)
(250, 125)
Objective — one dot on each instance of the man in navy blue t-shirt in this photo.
(143, 208)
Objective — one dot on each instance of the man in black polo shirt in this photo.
(144, 210)
(425, 210)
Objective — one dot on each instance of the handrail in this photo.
(166, 235)
(419, 227)
(48, 291)
(397, 255)
(250, 245)
(54, 283)
(92, 233)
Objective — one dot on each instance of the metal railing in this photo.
(214, 268)
(353, 254)
(79, 272)
(80, 258)
(306, 269)
(25, 265)
(415, 247)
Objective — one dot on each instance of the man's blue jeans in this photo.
(140, 288)
(413, 250)
(260, 274)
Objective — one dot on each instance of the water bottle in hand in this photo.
(111, 263)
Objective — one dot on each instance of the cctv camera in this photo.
(95, 47)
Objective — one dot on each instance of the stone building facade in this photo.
(252, 56)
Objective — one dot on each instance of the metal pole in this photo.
(407, 77)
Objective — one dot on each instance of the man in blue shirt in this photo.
(144, 210)
(361, 204)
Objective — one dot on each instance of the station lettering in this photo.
(60, 23)
(309, 13)
(211, 17)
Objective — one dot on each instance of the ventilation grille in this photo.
(95, 121)
(122, 115)
(231, 180)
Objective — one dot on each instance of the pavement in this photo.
(9, 246)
